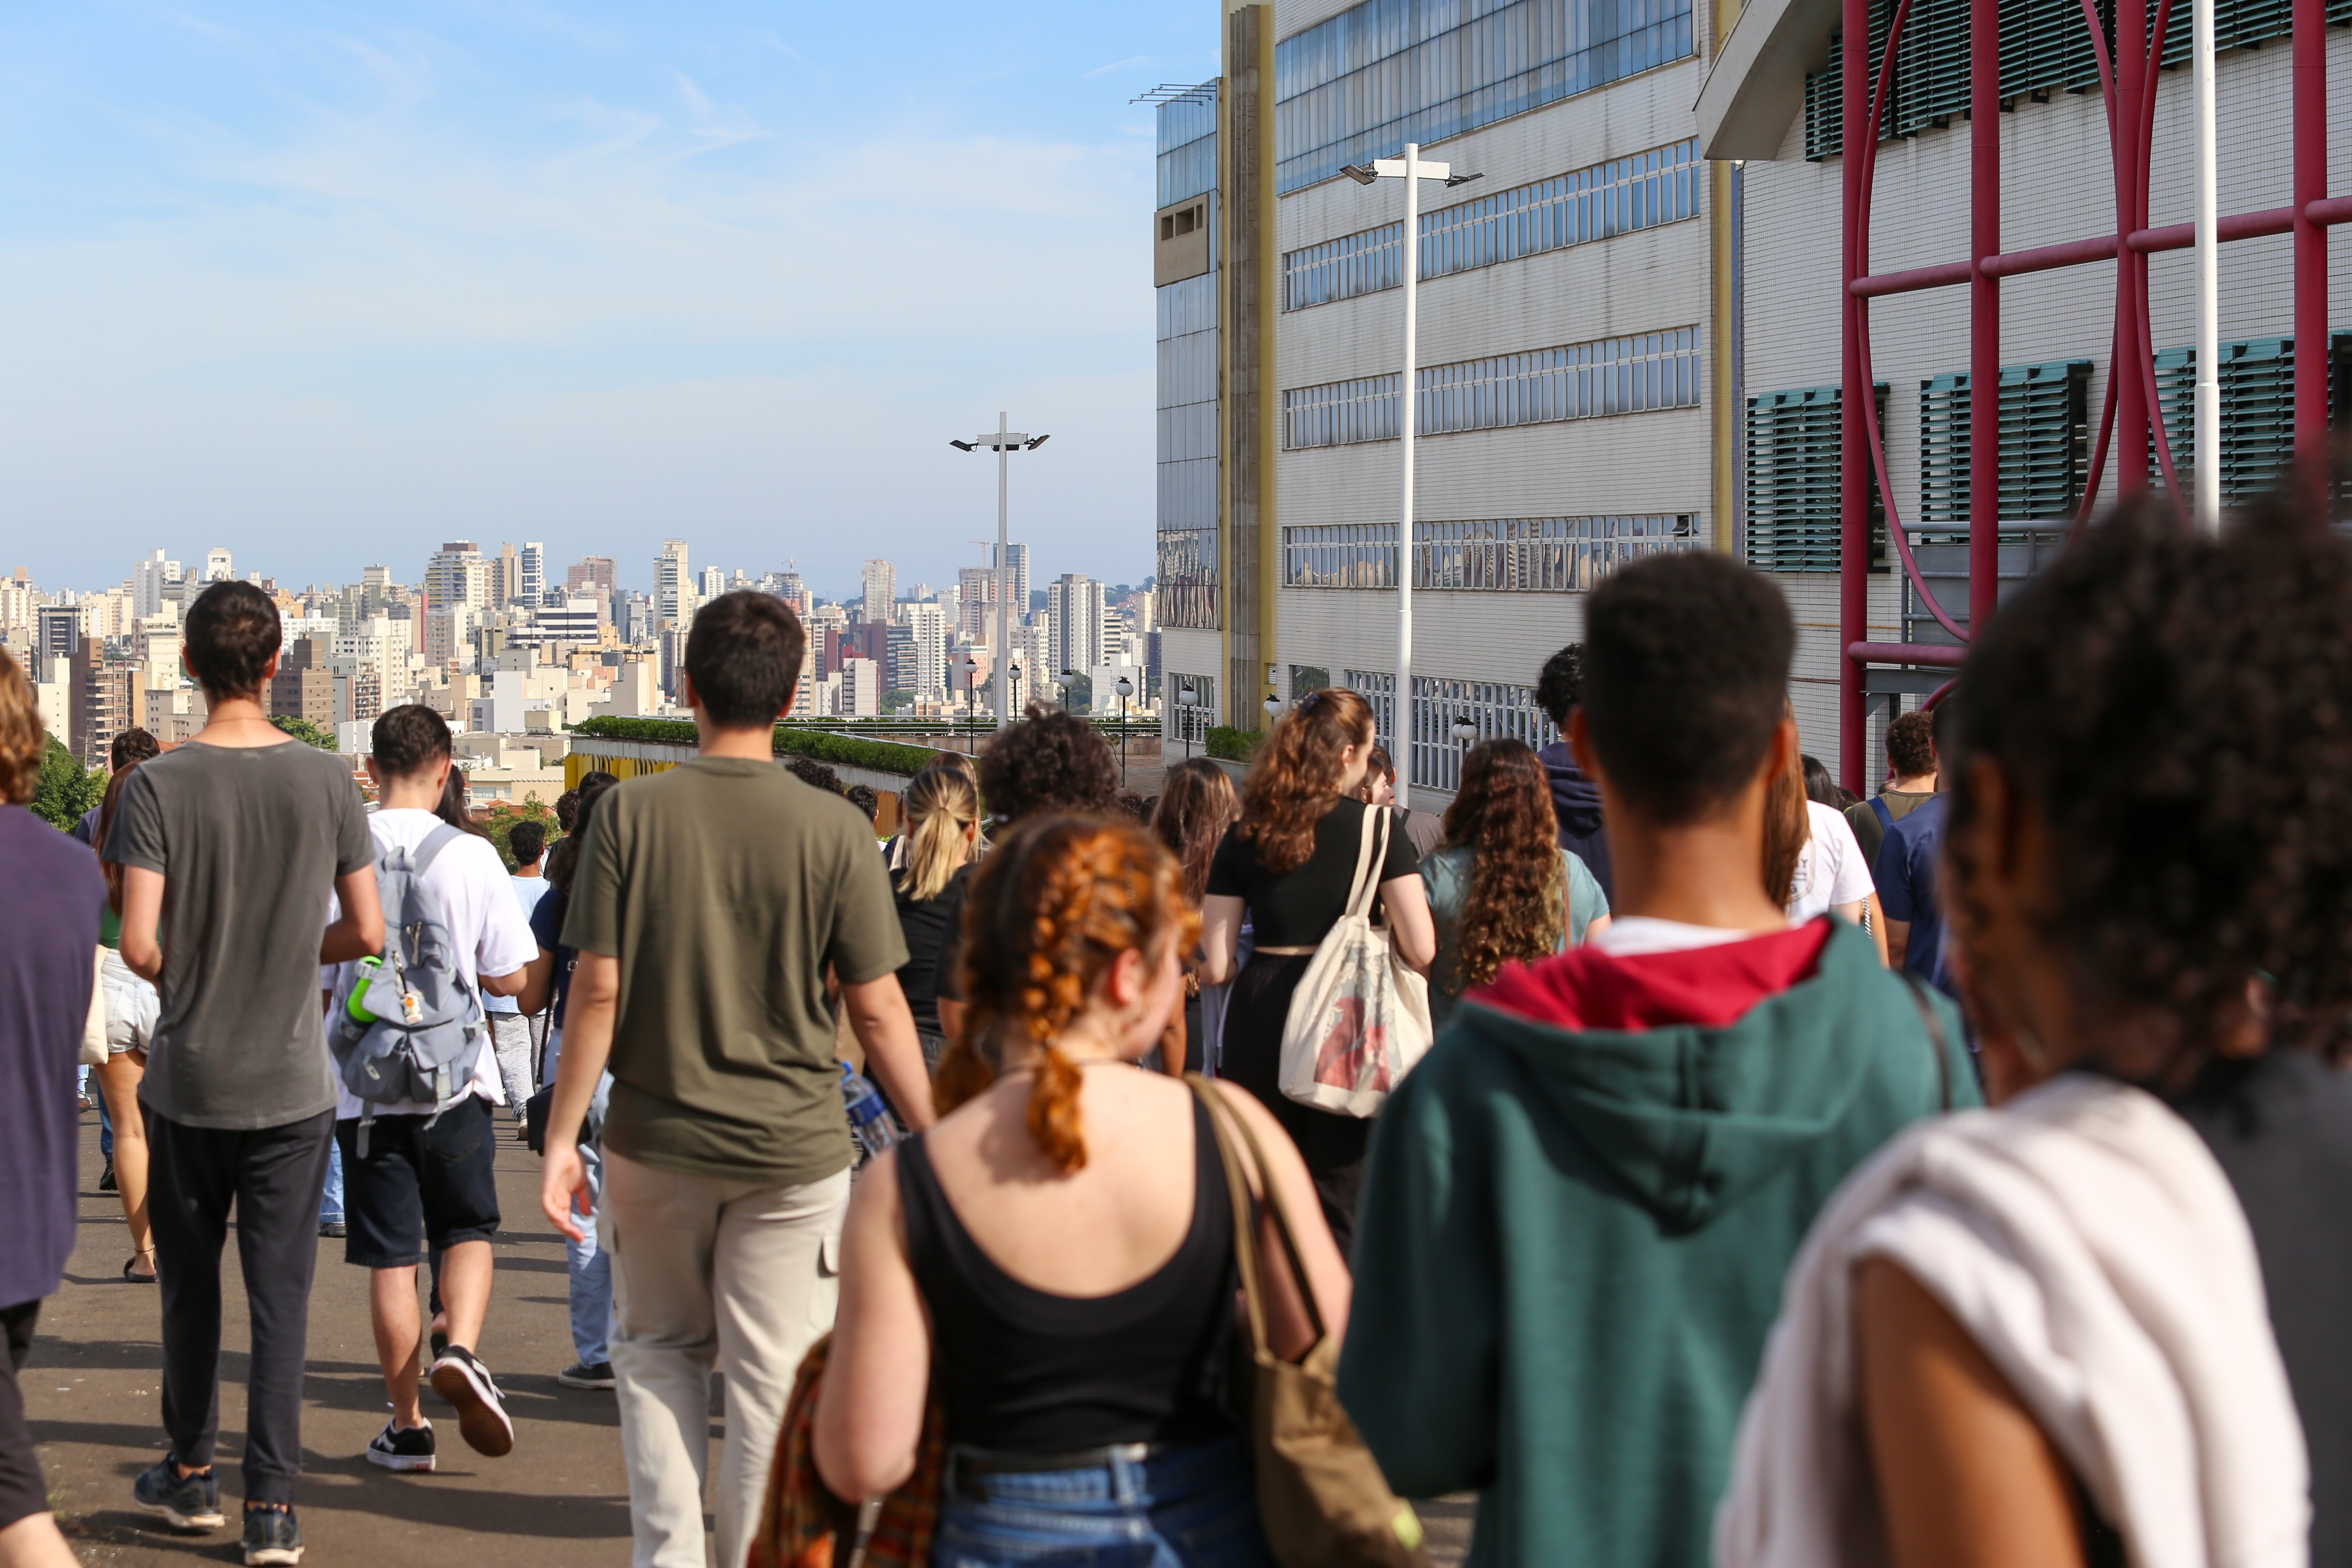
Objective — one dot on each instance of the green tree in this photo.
(65, 790)
(504, 818)
(305, 731)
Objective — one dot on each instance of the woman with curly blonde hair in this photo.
(1502, 890)
(1029, 1251)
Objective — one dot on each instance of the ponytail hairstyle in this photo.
(1047, 915)
(1296, 779)
(941, 803)
(1518, 907)
(1787, 828)
(1197, 803)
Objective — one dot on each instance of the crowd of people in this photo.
(1754, 1175)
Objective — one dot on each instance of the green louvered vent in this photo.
(1793, 482)
(2045, 48)
(2257, 379)
(2044, 443)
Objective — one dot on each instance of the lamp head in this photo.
(1360, 173)
(1036, 442)
(1273, 706)
(960, 445)
(1125, 687)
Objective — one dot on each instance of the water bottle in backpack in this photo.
(870, 1120)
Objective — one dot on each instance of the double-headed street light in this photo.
(1413, 168)
(1003, 443)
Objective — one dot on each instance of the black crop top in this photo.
(1023, 1368)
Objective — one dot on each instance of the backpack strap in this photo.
(1878, 809)
(428, 849)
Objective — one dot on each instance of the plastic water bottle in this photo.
(869, 1117)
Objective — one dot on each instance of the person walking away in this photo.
(1905, 873)
(1911, 755)
(1502, 890)
(48, 943)
(1050, 762)
(587, 1267)
(1289, 865)
(942, 832)
(710, 902)
(229, 846)
(1424, 830)
(424, 1173)
(132, 1010)
(1575, 801)
(1197, 803)
(1825, 871)
(509, 1030)
(1583, 1199)
(1818, 874)
(1029, 1252)
(2104, 1323)
(129, 749)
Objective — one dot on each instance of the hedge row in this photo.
(1229, 744)
(882, 756)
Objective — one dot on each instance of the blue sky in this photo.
(328, 283)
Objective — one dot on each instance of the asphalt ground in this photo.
(558, 1500)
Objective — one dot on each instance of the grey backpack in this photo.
(409, 1028)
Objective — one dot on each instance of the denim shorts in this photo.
(419, 1183)
(1192, 1507)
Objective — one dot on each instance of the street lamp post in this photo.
(1003, 443)
(971, 705)
(1126, 689)
(1067, 691)
(1186, 698)
(1012, 667)
(1413, 168)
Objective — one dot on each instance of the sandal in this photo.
(131, 1265)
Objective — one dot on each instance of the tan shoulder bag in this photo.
(1321, 1494)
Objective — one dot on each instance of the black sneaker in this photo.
(186, 1502)
(580, 1374)
(402, 1448)
(271, 1536)
(106, 1178)
(460, 1378)
(332, 1229)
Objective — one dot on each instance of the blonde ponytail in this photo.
(941, 803)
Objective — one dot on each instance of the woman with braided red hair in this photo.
(1076, 1305)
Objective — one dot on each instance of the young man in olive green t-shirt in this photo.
(710, 902)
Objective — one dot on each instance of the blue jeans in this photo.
(105, 1127)
(330, 1201)
(589, 1265)
(1194, 1507)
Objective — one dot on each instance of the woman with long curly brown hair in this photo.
(1502, 890)
(1289, 864)
(1197, 803)
(1076, 1304)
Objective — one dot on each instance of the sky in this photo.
(327, 284)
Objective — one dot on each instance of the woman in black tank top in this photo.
(1027, 1261)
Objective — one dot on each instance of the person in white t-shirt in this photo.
(1832, 878)
(428, 1179)
(510, 1033)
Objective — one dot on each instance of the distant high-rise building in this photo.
(101, 697)
(881, 580)
(714, 582)
(673, 590)
(149, 580)
(976, 603)
(304, 686)
(506, 577)
(591, 570)
(217, 568)
(927, 629)
(534, 571)
(1073, 623)
(58, 631)
(457, 576)
(861, 689)
(1016, 568)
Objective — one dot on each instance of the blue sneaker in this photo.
(271, 1537)
(186, 1502)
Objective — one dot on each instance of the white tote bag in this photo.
(1360, 1018)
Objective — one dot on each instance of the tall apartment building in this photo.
(101, 697)
(928, 626)
(590, 572)
(880, 580)
(218, 568)
(1074, 624)
(714, 582)
(304, 686)
(534, 569)
(149, 581)
(506, 577)
(458, 574)
(1572, 391)
(1016, 575)
(673, 586)
(976, 603)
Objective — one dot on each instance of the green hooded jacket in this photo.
(1571, 1239)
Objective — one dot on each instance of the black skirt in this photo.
(1332, 1145)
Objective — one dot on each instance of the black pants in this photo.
(24, 1490)
(274, 1176)
(1332, 1145)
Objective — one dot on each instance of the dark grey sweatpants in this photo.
(273, 1177)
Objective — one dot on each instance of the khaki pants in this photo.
(731, 1274)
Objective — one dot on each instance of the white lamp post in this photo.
(971, 704)
(1413, 168)
(1187, 696)
(1003, 443)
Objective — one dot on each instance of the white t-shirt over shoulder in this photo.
(485, 923)
(1830, 870)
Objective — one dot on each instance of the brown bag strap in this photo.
(1246, 1246)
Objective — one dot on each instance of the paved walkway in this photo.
(559, 1501)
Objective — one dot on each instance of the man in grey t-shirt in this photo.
(230, 846)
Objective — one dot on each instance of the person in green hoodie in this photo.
(1580, 1205)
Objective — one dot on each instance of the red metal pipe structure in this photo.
(2130, 415)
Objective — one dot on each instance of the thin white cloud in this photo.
(1117, 66)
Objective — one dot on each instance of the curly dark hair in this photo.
(814, 775)
(1560, 687)
(1049, 761)
(2176, 711)
(1517, 906)
(1911, 744)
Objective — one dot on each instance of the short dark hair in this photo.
(232, 636)
(1911, 744)
(1048, 762)
(567, 809)
(1378, 761)
(527, 841)
(743, 656)
(1686, 679)
(408, 738)
(862, 797)
(814, 775)
(1560, 687)
(132, 747)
